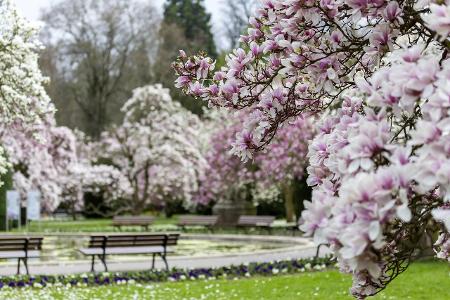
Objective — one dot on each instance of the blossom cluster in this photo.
(21, 80)
(296, 57)
(376, 74)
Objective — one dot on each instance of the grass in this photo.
(423, 280)
(87, 225)
(105, 225)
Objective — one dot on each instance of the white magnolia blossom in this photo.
(22, 95)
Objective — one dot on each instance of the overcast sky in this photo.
(31, 8)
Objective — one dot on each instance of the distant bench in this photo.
(190, 220)
(119, 244)
(265, 222)
(21, 248)
(143, 221)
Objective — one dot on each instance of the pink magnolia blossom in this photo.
(372, 74)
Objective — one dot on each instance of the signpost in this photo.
(34, 206)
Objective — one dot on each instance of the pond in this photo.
(64, 247)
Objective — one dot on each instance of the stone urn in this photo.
(230, 208)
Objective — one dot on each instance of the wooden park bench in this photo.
(20, 247)
(120, 244)
(256, 222)
(143, 221)
(190, 220)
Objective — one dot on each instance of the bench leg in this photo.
(163, 256)
(25, 262)
(318, 251)
(103, 260)
(92, 264)
(18, 266)
(153, 261)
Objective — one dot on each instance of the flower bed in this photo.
(108, 278)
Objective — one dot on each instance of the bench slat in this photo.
(125, 250)
(187, 220)
(17, 243)
(20, 254)
(256, 220)
(133, 220)
(109, 241)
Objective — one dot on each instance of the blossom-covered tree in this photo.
(22, 95)
(376, 73)
(39, 156)
(270, 173)
(104, 182)
(284, 161)
(156, 148)
(226, 177)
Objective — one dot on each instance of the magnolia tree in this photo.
(269, 174)
(157, 150)
(39, 156)
(42, 156)
(284, 161)
(226, 177)
(376, 73)
(103, 181)
(22, 96)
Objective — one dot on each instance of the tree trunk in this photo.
(7, 185)
(73, 208)
(289, 191)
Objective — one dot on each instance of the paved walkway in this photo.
(297, 248)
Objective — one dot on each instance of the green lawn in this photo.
(424, 280)
(105, 225)
(89, 225)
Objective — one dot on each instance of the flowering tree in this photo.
(39, 156)
(22, 96)
(157, 149)
(102, 181)
(226, 177)
(285, 160)
(270, 173)
(376, 73)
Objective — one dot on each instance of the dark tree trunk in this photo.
(289, 195)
